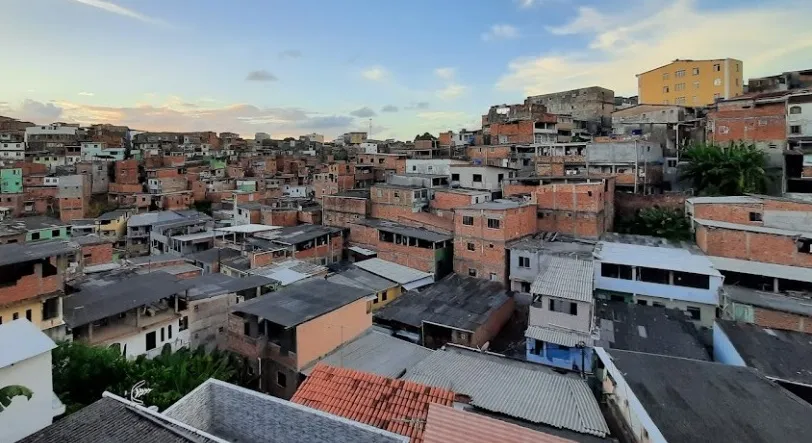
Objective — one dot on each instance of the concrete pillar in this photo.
(137, 317)
(671, 278)
(90, 332)
(775, 284)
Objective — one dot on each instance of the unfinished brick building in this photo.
(346, 207)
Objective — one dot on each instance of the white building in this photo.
(488, 178)
(314, 137)
(437, 166)
(295, 191)
(54, 129)
(799, 118)
(368, 148)
(25, 360)
(12, 150)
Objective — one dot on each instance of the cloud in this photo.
(363, 112)
(86, 94)
(452, 91)
(327, 122)
(418, 105)
(38, 111)
(261, 76)
(290, 53)
(375, 73)
(120, 10)
(445, 73)
(500, 32)
(621, 46)
(390, 108)
(437, 121)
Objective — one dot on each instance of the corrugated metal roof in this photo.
(761, 268)
(377, 353)
(674, 259)
(738, 199)
(21, 340)
(751, 228)
(538, 396)
(557, 336)
(449, 425)
(392, 271)
(362, 279)
(565, 277)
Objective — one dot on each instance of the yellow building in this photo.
(691, 82)
(385, 290)
(113, 225)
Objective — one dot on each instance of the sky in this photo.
(289, 68)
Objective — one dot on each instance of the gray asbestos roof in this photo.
(521, 391)
(20, 252)
(690, 400)
(212, 285)
(761, 268)
(35, 223)
(103, 298)
(557, 336)
(292, 235)
(377, 353)
(296, 304)
(241, 415)
(651, 329)
(392, 271)
(751, 228)
(563, 277)
(150, 218)
(738, 199)
(460, 302)
(21, 340)
(785, 355)
(769, 300)
(362, 279)
(408, 231)
(213, 254)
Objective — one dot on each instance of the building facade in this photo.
(691, 82)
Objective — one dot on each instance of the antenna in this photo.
(369, 133)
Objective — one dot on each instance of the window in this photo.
(652, 275)
(610, 270)
(524, 262)
(525, 286)
(642, 302)
(169, 332)
(717, 82)
(384, 296)
(281, 379)
(680, 73)
(566, 307)
(50, 308)
(717, 67)
(183, 324)
(15, 316)
(493, 223)
(55, 233)
(468, 220)
(755, 217)
(500, 178)
(665, 76)
(794, 129)
(455, 177)
(795, 110)
(665, 89)
(695, 71)
(477, 178)
(679, 87)
(35, 236)
(679, 101)
(694, 100)
(471, 247)
(163, 338)
(151, 341)
(690, 280)
(657, 304)
(696, 85)
(694, 312)
(28, 314)
(472, 272)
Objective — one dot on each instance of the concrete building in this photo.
(482, 233)
(285, 341)
(484, 177)
(798, 166)
(344, 208)
(26, 362)
(12, 150)
(691, 82)
(593, 105)
(53, 133)
(151, 231)
(786, 81)
(650, 270)
(529, 255)
(670, 126)
(11, 181)
(637, 165)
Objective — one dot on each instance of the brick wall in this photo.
(340, 211)
(628, 205)
(176, 201)
(280, 217)
(764, 122)
(126, 172)
(31, 285)
(97, 254)
(495, 322)
(335, 248)
(123, 188)
(782, 320)
(487, 152)
(755, 246)
(515, 132)
(71, 208)
(411, 256)
(312, 217)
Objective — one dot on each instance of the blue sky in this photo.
(292, 67)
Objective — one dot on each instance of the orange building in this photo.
(691, 82)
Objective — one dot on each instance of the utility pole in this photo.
(636, 164)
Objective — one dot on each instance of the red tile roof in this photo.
(397, 406)
(449, 425)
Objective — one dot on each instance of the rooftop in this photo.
(761, 268)
(21, 340)
(91, 239)
(302, 302)
(509, 387)
(212, 285)
(375, 352)
(450, 425)
(150, 218)
(691, 400)
(400, 274)
(752, 228)
(293, 235)
(289, 271)
(559, 246)
(34, 223)
(250, 228)
(213, 255)
(783, 355)
(362, 279)
(236, 414)
(112, 215)
(394, 405)
(499, 204)
(22, 252)
(769, 300)
(352, 193)
(564, 277)
(408, 231)
(736, 199)
(460, 302)
(651, 329)
(659, 257)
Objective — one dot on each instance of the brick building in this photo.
(482, 232)
(95, 250)
(346, 207)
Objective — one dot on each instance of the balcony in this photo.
(113, 328)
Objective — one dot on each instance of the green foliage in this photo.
(8, 393)
(82, 373)
(203, 206)
(733, 170)
(340, 154)
(657, 222)
(425, 136)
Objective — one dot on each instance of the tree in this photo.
(657, 222)
(425, 136)
(8, 393)
(733, 170)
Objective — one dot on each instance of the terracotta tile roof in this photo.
(398, 406)
(449, 425)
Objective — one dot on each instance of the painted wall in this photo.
(11, 181)
(693, 295)
(321, 335)
(135, 345)
(723, 349)
(24, 417)
(554, 355)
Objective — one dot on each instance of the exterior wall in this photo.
(540, 315)
(319, 336)
(341, 211)
(487, 155)
(768, 318)
(326, 253)
(755, 246)
(513, 132)
(280, 217)
(765, 125)
(383, 298)
(426, 260)
(574, 209)
(493, 324)
(55, 233)
(490, 177)
(208, 318)
(97, 254)
(30, 286)
(136, 344)
(11, 181)
(553, 355)
(24, 416)
(723, 349)
(594, 104)
(659, 86)
(21, 308)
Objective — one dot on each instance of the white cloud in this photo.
(526, 3)
(445, 73)
(375, 73)
(500, 32)
(120, 10)
(622, 46)
(452, 91)
(86, 94)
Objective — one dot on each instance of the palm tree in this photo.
(733, 170)
(8, 393)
